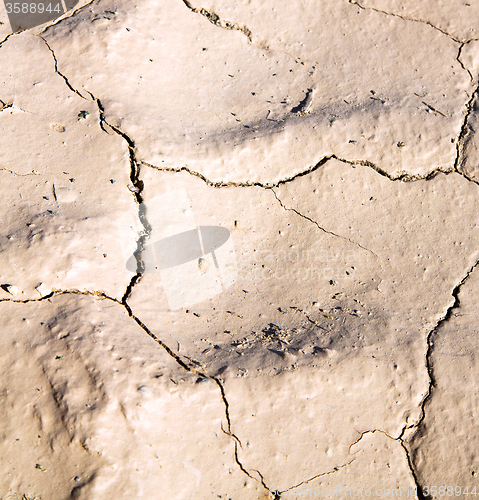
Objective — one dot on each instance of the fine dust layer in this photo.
(238, 250)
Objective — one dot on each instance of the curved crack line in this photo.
(33, 172)
(312, 168)
(322, 228)
(136, 183)
(461, 141)
(213, 18)
(362, 434)
(398, 177)
(419, 492)
(137, 188)
(59, 291)
(432, 381)
(458, 57)
(194, 173)
(193, 370)
(274, 493)
(430, 346)
(411, 19)
(6, 38)
(237, 441)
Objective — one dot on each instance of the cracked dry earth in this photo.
(326, 346)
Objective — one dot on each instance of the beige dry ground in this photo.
(238, 251)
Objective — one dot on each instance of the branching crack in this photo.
(5, 105)
(136, 187)
(192, 369)
(419, 492)
(189, 368)
(460, 140)
(215, 19)
(136, 184)
(432, 382)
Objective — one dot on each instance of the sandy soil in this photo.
(238, 250)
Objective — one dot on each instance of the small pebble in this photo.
(57, 127)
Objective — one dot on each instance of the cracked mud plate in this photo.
(238, 250)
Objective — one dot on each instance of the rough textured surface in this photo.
(238, 251)
(451, 410)
(458, 19)
(344, 81)
(63, 180)
(90, 407)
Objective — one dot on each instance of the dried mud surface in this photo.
(238, 251)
